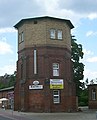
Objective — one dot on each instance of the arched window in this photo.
(93, 94)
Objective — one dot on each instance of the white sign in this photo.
(35, 87)
(56, 84)
(35, 82)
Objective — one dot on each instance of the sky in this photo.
(82, 14)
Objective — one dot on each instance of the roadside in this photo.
(86, 114)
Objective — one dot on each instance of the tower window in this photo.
(93, 94)
(35, 22)
(56, 96)
(59, 34)
(35, 61)
(55, 69)
(52, 34)
(21, 37)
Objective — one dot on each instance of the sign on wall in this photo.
(35, 85)
(56, 84)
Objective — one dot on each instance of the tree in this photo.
(78, 67)
(7, 80)
(12, 80)
(92, 81)
(83, 97)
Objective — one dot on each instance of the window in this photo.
(35, 61)
(21, 71)
(21, 37)
(35, 21)
(56, 34)
(93, 94)
(52, 34)
(55, 69)
(59, 34)
(56, 96)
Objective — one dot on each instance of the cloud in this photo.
(73, 10)
(89, 74)
(91, 33)
(5, 48)
(89, 61)
(92, 59)
(7, 30)
(9, 69)
(13, 11)
(92, 16)
(78, 6)
(87, 52)
(88, 56)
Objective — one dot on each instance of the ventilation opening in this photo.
(35, 22)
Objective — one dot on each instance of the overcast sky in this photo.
(13, 10)
(83, 15)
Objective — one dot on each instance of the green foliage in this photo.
(2, 85)
(12, 81)
(7, 80)
(78, 67)
(83, 98)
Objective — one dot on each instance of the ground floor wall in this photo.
(92, 104)
(42, 100)
(92, 90)
(7, 98)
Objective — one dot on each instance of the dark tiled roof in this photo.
(5, 89)
(44, 17)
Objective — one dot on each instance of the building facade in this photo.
(92, 96)
(44, 68)
(7, 93)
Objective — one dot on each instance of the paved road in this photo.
(4, 118)
(14, 115)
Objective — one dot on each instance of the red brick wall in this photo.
(7, 93)
(92, 103)
(42, 100)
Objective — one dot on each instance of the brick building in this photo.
(92, 96)
(44, 68)
(7, 93)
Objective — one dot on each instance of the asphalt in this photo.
(85, 114)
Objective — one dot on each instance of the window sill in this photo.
(56, 39)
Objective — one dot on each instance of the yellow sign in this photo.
(56, 84)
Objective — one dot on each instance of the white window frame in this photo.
(22, 36)
(93, 94)
(19, 38)
(55, 69)
(52, 33)
(35, 61)
(59, 34)
(56, 97)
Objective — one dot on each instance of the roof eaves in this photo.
(9, 88)
(44, 17)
